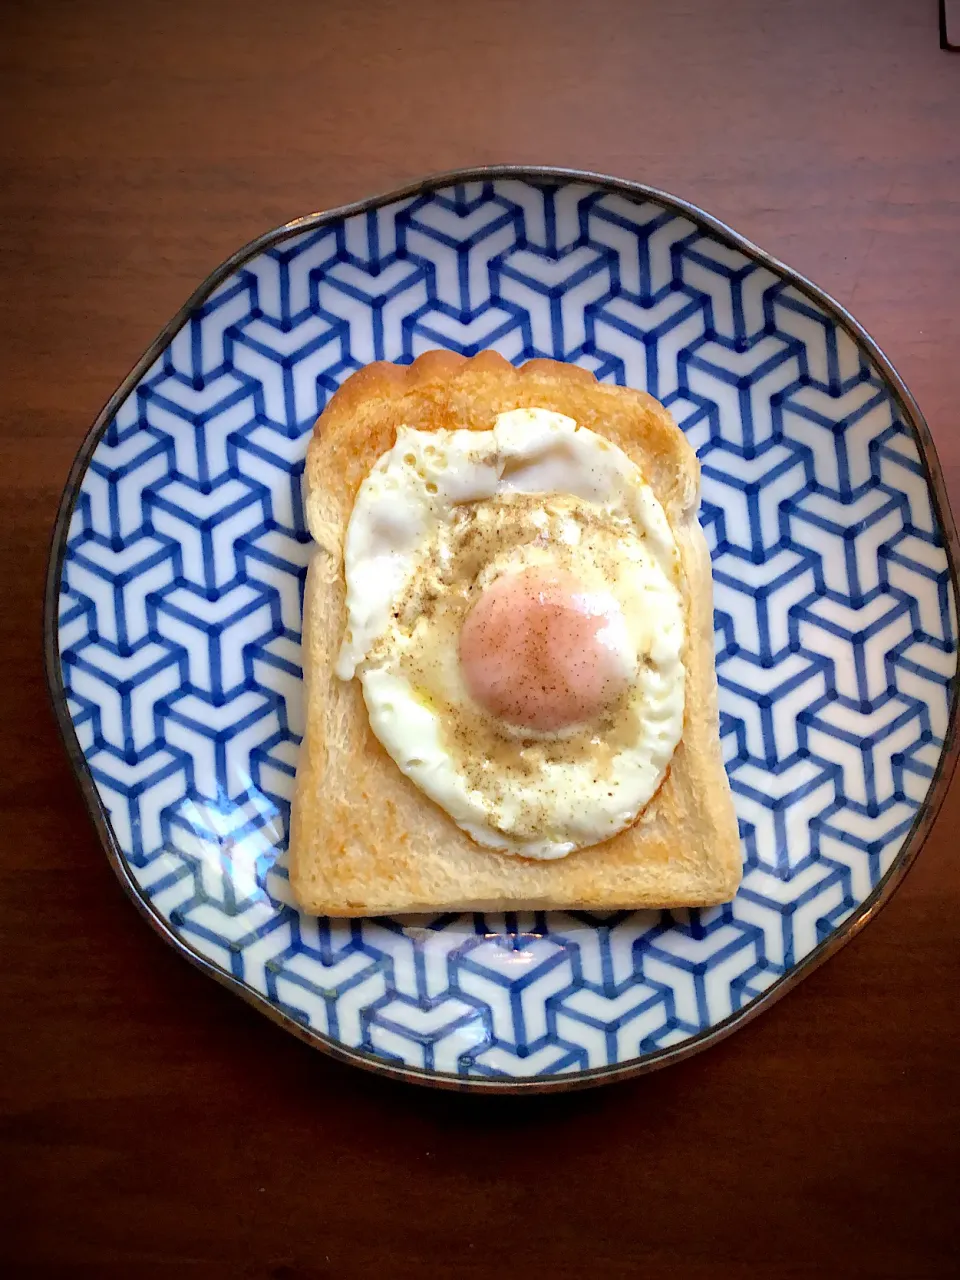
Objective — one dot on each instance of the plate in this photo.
(176, 580)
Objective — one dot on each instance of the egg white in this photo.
(608, 528)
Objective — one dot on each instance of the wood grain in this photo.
(152, 1125)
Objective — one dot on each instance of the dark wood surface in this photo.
(152, 1124)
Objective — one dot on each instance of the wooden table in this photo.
(152, 1124)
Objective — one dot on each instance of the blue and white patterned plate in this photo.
(176, 579)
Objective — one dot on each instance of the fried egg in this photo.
(516, 621)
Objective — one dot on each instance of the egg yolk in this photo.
(539, 651)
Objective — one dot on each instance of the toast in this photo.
(364, 838)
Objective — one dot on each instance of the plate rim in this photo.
(882, 892)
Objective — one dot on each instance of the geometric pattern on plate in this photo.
(181, 598)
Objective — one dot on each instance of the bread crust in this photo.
(364, 839)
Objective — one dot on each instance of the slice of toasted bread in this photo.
(364, 839)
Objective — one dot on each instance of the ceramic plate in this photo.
(176, 580)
